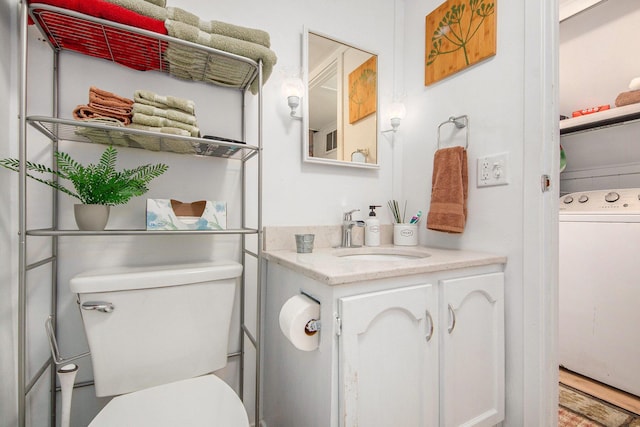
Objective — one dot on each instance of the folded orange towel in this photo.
(628, 98)
(86, 112)
(450, 186)
(109, 101)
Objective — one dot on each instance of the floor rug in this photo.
(578, 409)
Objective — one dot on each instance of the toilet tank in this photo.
(167, 323)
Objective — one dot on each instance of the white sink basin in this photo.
(366, 254)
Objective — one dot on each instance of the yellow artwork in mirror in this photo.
(459, 33)
(362, 90)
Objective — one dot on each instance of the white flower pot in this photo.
(91, 217)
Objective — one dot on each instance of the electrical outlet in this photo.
(492, 170)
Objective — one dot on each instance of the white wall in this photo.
(596, 64)
(491, 93)
(8, 235)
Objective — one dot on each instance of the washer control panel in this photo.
(626, 200)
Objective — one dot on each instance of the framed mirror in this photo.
(341, 107)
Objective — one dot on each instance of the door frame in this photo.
(540, 214)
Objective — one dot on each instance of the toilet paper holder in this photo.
(312, 325)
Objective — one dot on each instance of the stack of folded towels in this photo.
(148, 111)
(182, 60)
(188, 63)
(165, 114)
(105, 105)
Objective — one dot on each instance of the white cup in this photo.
(405, 234)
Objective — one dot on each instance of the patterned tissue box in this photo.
(169, 214)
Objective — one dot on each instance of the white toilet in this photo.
(155, 335)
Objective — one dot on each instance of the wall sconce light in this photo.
(293, 89)
(397, 111)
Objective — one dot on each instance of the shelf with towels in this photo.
(613, 116)
(138, 48)
(144, 46)
(91, 132)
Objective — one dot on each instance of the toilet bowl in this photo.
(156, 335)
(201, 401)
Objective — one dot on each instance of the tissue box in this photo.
(168, 214)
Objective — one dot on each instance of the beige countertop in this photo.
(327, 266)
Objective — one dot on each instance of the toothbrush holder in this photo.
(304, 243)
(405, 234)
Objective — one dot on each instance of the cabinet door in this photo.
(472, 351)
(388, 358)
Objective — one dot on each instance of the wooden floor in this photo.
(603, 392)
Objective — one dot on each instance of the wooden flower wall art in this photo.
(362, 90)
(459, 33)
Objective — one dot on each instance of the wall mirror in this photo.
(341, 108)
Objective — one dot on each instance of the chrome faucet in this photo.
(347, 227)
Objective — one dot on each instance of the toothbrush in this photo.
(416, 218)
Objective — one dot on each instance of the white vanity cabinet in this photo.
(386, 357)
(472, 350)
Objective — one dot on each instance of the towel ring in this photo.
(460, 122)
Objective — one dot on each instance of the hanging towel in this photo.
(450, 186)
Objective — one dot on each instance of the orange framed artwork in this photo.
(458, 34)
(362, 90)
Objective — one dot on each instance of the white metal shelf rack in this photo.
(605, 118)
(70, 30)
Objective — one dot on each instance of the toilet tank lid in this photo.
(155, 276)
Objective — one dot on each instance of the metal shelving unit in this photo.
(139, 49)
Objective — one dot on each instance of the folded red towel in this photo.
(450, 187)
(140, 53)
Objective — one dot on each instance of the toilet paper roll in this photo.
(296, 312)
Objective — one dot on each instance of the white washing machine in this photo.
(599, 262)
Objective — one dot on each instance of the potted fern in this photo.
(97, 186)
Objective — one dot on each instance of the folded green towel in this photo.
(157, 143)
(155, 121)
(217, 27)
(150, 98)
(146, 8)
(161, 3)
(103, 136)
(169, 113)
(216, 70)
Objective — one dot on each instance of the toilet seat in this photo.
(201, 401)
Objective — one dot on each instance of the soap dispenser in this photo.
(372, 228)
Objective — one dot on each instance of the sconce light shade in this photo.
(293, 89)
(397, 111)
